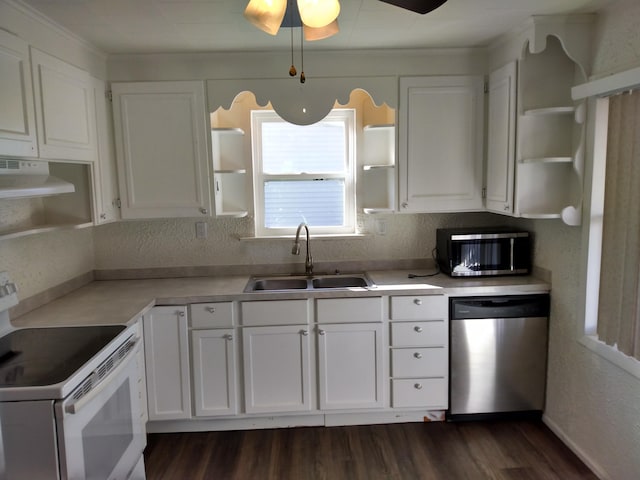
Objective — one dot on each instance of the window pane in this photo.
(319, 203)
(288, 148)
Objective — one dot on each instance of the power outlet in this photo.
(201, 229)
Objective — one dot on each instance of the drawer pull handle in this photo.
(417, 355)
(417, 386)
(417, 301)
(321, 332)
(211, 309)
(418, 328)
(305, 332)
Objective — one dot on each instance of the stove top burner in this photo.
(46, 356)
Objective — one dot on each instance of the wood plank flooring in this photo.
(521, 450)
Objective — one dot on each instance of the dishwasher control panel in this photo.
(505, 306)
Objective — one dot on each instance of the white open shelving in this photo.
(379, 174)
(229, 172)
(550, 137)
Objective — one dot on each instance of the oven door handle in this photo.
(75, 407)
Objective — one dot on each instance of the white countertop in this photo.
(123, 301)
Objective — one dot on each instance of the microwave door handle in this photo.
(512, 242)
(75, 407)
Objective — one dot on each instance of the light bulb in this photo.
(318, 13)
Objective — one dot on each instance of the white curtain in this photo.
(619, 303)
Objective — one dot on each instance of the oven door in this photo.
(101, 435)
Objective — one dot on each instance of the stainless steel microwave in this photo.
(471, 252)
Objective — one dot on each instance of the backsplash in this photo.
(173, 242)
(42, 261)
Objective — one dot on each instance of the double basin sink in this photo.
(308, 282)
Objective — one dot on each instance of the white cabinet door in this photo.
(105, 177)
(350, 366)
(17, 115)
(276, 369)
(214, 372)
(166, 347)
(501, 139)
(65, 109)
(162, 149)
(441, 143)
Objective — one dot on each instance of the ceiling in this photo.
(167, 26)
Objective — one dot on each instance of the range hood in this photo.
(23, 179)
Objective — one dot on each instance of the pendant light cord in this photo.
(302, 77)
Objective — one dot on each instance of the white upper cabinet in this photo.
(441, 143)
(161, 145)
(501, 139)
(106, 179)
(65, 109)
(17, 115)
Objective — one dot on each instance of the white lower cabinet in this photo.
(350, 366)
(166, 346)
(213, 359)
(214, 372)
(276, 369)
(263, 362)
(419, 352)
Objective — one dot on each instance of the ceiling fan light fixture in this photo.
(266, 15)
(311, 34)
(318, 13)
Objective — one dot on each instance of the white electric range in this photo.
(69, 400)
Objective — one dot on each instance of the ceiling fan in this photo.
(268, 15)
(418, 6)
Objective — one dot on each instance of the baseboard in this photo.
(588, 461)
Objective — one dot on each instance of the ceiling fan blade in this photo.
(418, 6)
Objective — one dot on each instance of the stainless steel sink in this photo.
(339, 281)
(303, 282)
(280, 284)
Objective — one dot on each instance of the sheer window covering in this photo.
(619, 301)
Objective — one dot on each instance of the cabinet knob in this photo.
(417, 386)
(417, 355)
(418, 328)
(103, 216)
(417, 301)
(305, 332)
(229, 336)
(204, 211)
(321, 332)
(405, 205)
(181, 314)
(210, 309)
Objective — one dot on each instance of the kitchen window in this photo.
(304, 174)
(612, 319)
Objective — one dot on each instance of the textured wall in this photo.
(38, 262)
(172, 242)
(594, 403)
(617, 39)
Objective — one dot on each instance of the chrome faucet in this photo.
(308, 262)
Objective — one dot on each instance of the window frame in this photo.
(597, 93)
(345, 115)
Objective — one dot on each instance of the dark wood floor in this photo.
(521, 450)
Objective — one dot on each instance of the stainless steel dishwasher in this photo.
(498, 356)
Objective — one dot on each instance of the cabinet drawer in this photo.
(419, 307)
(419, 362)
(419, 392)
(421, 334)
(349, 310)
(211, 315)
(275, 312)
